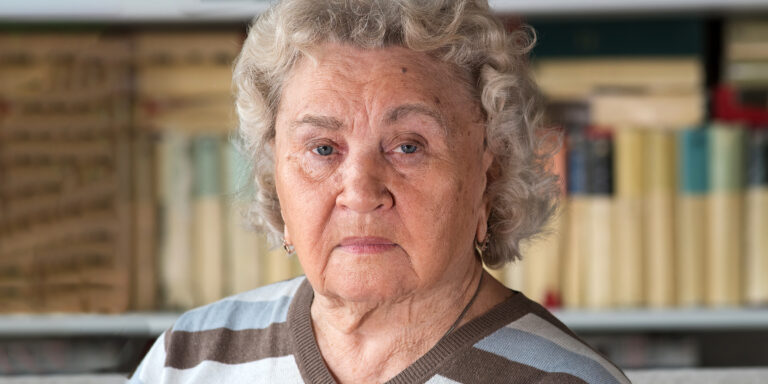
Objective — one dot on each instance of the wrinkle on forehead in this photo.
(363, 76)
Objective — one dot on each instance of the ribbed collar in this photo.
(313, 368)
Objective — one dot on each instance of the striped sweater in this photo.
(265, 336)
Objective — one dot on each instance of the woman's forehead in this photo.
(344, 71)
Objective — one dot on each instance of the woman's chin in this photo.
(367, 286)
(381, 277)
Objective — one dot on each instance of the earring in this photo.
(289, 249)
(480, 248)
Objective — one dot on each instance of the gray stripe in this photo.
(235, 315)
(534, 324)
(543, 354)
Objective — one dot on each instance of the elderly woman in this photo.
(395, 151)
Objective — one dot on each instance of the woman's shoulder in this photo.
(239, 336)
(535, 341)
(254, 309)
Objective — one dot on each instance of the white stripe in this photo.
(534, 324)
(151, 368)
(270, 370)
(437, 379)
(270, 292)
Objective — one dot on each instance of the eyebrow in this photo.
(391, 117)
(403, 110)
(326, 122)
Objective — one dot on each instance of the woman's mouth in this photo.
(366, 245)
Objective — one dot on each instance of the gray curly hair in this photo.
(521, 189)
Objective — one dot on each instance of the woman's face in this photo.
(380, 172)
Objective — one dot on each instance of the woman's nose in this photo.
(364, 187)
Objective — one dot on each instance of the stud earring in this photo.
(480, 248)
(289, 249)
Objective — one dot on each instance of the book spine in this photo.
(543, 255)
(208, 242)
(599, 241)
(279, 265)
(659, 210)
(144, 282)
(576, 209)
(725, 204)
(628, 216)
(757, 219)
(176, 190)
(243, 249)
(691, 227)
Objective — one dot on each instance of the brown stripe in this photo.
(478, 366)
(188, 349)
(167, 340)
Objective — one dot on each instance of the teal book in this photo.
(175, 195)
(693, 187)
(208, 247)
(245, 248)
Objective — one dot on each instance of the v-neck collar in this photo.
(314, 371)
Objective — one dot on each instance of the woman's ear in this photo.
(482, 229)
(286, 235)
(482, 222)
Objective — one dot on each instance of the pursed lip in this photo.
(366, 244)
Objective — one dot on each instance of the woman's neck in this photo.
(383, 338)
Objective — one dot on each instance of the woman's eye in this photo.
(323, 150)
(407, 148)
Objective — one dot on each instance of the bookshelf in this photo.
(229, 14)
(196, 11)
(152, 324)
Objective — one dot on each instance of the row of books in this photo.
(655, 218)
(655, 213)
(65, 220)
(151, 112)
(206, 249)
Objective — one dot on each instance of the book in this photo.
(724, 277)
(599, 242)
(661, 179)
(580, 78)
(756, 209)
(165, 61)
(144, 271)
(691, 221)
(576, 211)
(175, 188)
(245, 247)
(745, 39)
(630, 163)
(207, 240)
(641, 107)
(635, 37)
(543, 254)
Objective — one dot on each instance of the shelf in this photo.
(673, 320)
(243, 10)
(581, 321)
(86, 325)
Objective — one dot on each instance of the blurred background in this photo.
(121, 192)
